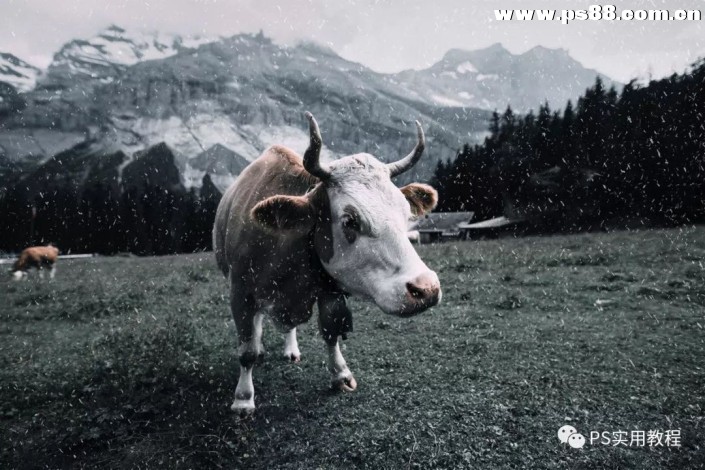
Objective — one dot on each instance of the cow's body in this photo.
(272, 267)
(283, 239)
(38, 257)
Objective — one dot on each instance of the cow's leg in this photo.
(249, 329)
(250, 334)
(52, 271)
(341, 377)
(286, 320)
(335, 321)
(291, 346)
(40, 271)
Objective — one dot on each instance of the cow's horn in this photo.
(399, 167)
(312, 156)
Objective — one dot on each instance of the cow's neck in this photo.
(326, 282)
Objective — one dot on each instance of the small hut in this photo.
(438, 226)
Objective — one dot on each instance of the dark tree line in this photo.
(611, 159)
(101, 218)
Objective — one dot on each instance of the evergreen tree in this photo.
(639, 154)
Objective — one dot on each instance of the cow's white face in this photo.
(365, 247)
(361, 220)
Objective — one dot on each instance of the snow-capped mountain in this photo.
(492, 78)
(113, 50)
(243, 93)
(217, 103)
(18, 73)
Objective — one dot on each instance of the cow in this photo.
(39, 257)
(291, 232)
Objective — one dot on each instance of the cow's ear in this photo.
(284, 213)
(422, 198)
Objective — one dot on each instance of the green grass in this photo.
(130, 363)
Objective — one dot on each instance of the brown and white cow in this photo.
(39, 257)
(290, 233)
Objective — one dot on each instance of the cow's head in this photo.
(360, 220)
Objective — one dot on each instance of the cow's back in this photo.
(237, 239)
(36, 256)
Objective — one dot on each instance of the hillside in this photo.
(129, 90)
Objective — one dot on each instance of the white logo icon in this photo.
(576, 441)
(565, 432)
(569, 435)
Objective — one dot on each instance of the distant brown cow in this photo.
(40, 257)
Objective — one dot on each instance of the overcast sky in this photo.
(386, 35)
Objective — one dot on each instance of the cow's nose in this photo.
(425, 289)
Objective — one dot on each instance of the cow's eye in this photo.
(351, 227)
(350, 222)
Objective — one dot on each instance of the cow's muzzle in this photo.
(422, 292)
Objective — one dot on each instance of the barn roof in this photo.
(490, 223)
(442, 221)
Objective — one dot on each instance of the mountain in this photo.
(104, 56)
(220, 160)
(77, 168)
(216, 103)
(220, 163)
(153, 167)
(493, 77)
(243, 93)
(18, 73)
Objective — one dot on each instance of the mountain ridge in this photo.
(492, 78)
(18, 73)
(127, 92)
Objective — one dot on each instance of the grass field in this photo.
(130, 363)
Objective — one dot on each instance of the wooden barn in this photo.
(438, 226)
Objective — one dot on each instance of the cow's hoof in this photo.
(344, 384)
(292, 357)
(244, 408)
